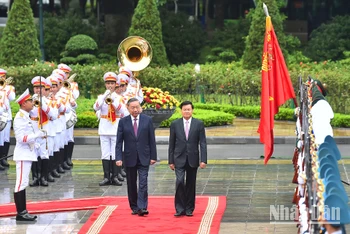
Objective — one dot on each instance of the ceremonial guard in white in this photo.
(8, 94)
(71, 118)
(24, 153)
(134, 88)
(112, 108)
(40, 116)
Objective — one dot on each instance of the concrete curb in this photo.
(163, 140)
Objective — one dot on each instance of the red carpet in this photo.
(113, 215)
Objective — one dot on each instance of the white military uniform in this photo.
(109, 119)
(10, 96)
(24, 153)
(134, 89)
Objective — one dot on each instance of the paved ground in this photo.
(235, 170)
(251, 188)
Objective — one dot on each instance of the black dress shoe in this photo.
(178, 214)
(55, 174)
(65, 166)
(43, 182)
(120, 177)
(4, 163)
(50, 178)
(189, 213)
(145, 211)
(104, 182)
(34, 182)
(140, 212)
(116, 182)
(60, 169)
(134, 212)
(25, 216)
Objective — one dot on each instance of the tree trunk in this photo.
(82, 4)
(117, 17)
(64, 5)
(219, 13)
(52, 6)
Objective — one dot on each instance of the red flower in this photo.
(163, 101)
(157, 106)
(168, 97)
(148, 93)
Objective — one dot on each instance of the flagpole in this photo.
(266, 10)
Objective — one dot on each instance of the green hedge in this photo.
(216, 80)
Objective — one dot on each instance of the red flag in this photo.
(276, 87)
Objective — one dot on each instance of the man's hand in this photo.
(119, 163)
(172, 166)
(203, 165)
(153, 162)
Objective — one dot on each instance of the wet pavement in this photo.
(251, 188)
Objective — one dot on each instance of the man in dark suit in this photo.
(186, 134)
(137, 133)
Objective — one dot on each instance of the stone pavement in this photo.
(251, 188)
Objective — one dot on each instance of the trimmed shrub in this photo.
(330, 40)
(19, 43)
(80, 44)
(146, 23)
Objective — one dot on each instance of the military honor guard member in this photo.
(73, 94)
(134, 88)
(40, 116)
(9, 95)
(24, 153)
(111, 108)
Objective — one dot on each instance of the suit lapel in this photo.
(139, 126)
(192, 126)
(131, 119)
(182, 129)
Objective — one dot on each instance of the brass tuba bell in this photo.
(135, 53)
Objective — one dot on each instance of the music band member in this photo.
(24, 153)
(112, 108)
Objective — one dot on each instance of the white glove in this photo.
(107, 93)
(41, 133)
(35, 96)
(37, 145)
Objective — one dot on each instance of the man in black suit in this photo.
(186, 134)
(137, 133)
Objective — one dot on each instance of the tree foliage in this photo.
(329, 41)
(19, 43)
(182, 38)
(146, 23)
(255, 39)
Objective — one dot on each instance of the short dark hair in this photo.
(185, 103)
(132, 100)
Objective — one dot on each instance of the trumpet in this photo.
(36, 100)
(108, 99)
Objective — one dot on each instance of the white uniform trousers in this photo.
(108, 143)
(50, 144)
(70, 135)
(63, 139)
(42, 152)
(57, 141)
(2, 137)
(7, 131)
(22, 175)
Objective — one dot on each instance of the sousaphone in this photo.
(135, 53)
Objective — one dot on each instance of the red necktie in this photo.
(135, 127)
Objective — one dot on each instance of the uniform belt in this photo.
(106, 116)
(34, 118)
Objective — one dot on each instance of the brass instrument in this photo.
(108, 99)
(135, 53)
(4, 82)
(36, 100)
(67, 82)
